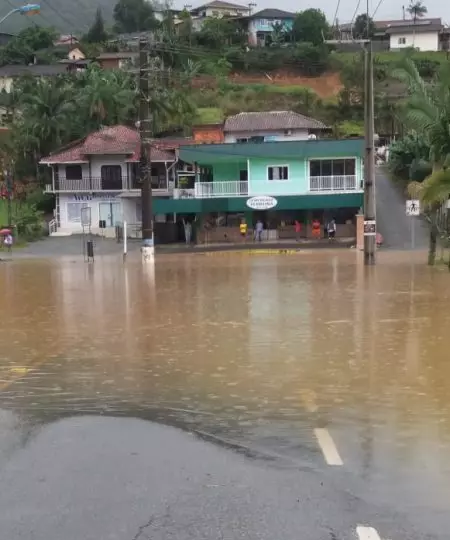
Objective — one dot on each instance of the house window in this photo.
(278, 172)
(111, 176)
(332, 167)
(74, 172)
(74, 211)
(402, 41)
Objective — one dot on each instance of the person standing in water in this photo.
(187, 231)
(298, 230)
(331, 229)
(259, 230)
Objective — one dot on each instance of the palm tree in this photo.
(426, 110)
(433, 193)
(417, 10)
(107, 97)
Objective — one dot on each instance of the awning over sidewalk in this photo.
(239, 204)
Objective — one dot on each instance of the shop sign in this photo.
(262, 202)
(95, 196)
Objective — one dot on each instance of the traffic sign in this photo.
(413, 207)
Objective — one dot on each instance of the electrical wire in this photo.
(355, 13)
(376, 9)
(336, 13)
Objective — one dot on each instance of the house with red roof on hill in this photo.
(101, 172)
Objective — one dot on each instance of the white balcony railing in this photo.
(208, 190)
(333, 183)
(103, 184)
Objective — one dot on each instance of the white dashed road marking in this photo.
(367, 533)
(328, 447)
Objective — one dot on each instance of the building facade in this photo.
(271, 126)
(261, 25)
(101, 173)
(423, 35)
(303, 180)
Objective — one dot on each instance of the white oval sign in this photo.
(262, 202)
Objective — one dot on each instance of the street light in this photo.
(26, 9)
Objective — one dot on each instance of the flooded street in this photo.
(309, 364)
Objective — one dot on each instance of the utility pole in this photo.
(145, 132)
(370, 239)
(370, 212)
(369, 154)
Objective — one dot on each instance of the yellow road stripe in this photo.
(255, 252)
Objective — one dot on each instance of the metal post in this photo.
(125, 240)
(9, 189)
(413, 232)
(145, 130)
(369, 161)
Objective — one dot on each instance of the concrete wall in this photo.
(208, 134)
(96, 166)
(424, 41)
(228, 172)
(260, 185)
(296, 135)
(90, 201)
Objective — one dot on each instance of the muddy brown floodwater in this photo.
(257, 351)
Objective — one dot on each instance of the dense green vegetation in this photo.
(423, 156)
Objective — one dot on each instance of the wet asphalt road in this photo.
(95, 478)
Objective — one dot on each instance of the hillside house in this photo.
(423, 35)
(270, 126)
(219, 9)
(260, 26)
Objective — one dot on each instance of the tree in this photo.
(21, 49)
(427, 112)
(105, 97)
(279, 34)
(134, 16)
(97, 32)
(417, 10)
(219, 33)
(362, 23)
(310, 26)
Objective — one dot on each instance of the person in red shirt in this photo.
(316, 229)
(298, 230)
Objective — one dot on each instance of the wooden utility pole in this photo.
(145, 131)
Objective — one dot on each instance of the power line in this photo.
(376, 9)
(336, 12)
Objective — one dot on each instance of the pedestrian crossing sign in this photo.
(413, 207)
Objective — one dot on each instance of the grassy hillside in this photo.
(65, 15)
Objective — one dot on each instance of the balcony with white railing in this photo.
(333, 184)
(96, 184)
(209, 190)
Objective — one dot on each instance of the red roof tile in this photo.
(115, 140)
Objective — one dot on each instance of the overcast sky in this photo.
(389, 9)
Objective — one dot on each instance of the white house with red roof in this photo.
(101, 172)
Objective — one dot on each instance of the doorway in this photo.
(110, 213)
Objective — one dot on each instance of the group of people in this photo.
(315, 227)
(258, 231)
(330, 229)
